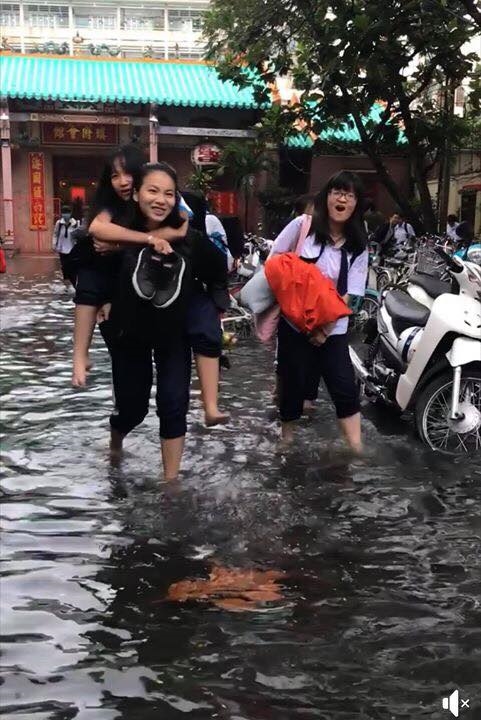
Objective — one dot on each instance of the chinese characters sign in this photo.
(224, 202)
(37, 191)
(206, 154)
(79, 134)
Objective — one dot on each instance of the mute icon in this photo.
(451, 703)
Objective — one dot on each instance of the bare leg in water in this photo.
(85, 319)
(351, 429)
(171, 451)
(208, 372)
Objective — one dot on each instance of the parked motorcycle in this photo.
(427, 357)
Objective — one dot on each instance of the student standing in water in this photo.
(336, 243)
(157, 327)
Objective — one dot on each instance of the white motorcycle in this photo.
(425, 355)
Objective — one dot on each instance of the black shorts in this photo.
(203, 326)
(94, 287)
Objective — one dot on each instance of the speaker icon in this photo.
(451, 703)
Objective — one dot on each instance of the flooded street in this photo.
(366, 596)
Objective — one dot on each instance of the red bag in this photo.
(3, 262)
(306, 297)
(266, 323)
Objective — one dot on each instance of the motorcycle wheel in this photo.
(367, 308)
(383, 279)
(432, 413)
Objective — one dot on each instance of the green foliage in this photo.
(202, 179)
(277, 204)
(244, 161)
(343, 57)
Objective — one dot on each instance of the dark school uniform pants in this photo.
(132, 374)
(300, 364)
(69, 267)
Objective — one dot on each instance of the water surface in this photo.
(377, 611)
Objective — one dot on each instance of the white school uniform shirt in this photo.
(62, 240)
(403, 232)
(216, 231)
(451, 231)
(329, 264)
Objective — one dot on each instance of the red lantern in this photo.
(206, 154)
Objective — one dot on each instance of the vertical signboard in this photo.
(38, 220)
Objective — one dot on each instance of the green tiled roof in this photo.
(347, 132)
(164, 83)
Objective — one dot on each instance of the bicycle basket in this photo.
(429, 262)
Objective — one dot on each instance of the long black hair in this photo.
(198, 204)
(354, 230)
(131, 158)
(173, 219)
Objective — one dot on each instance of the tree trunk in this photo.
(417, 163)
(370, 149)
(445, 174)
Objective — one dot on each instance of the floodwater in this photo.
(262, 586)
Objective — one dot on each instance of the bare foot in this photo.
(357, 449)
(116, 443)
(81, 367)
(216, 417)
(287, 434)
(308, 408)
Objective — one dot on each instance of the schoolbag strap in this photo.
(343, 272)
(303, 233)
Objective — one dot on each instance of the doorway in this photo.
(75, 179)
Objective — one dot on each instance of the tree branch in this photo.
(472, 10)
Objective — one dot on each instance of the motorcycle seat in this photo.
(433, 286)
(394, 262)
(404, 311)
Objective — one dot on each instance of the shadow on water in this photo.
(373, 565)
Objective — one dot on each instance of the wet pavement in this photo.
(262, 586)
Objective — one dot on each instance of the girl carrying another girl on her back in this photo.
(141, 328)
(98, 272)
(98, 276)
(336, 243)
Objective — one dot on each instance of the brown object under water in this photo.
(230, 589)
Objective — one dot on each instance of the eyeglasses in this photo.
(338, 194)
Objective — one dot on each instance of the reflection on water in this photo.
(361, 579)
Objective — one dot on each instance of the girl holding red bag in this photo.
(336, 244)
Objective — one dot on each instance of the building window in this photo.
(185, 20)
(143, 19)
(95, 18)
(46, 16)
(9, 15)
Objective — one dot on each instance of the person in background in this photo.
(217, 234)
(464, 237)
(385, 236)
(373, 218)
(304, 205)
(63, 241)
(403, 231)
(451, 226)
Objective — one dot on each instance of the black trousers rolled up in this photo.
(132, 374)
(300, 362)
